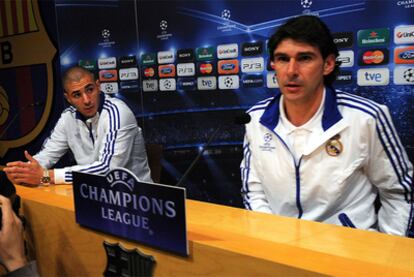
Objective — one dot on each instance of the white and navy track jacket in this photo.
(110, 139)
(332, 189)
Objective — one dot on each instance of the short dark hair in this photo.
(75, 73)
(308, 29)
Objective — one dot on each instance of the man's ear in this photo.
(67, 97)
(98, 84)
(329, 64)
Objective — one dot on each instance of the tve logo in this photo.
(229, 82)
(185, 69)
(149, 85)
(404, 75)
(228, 67)
(128, 74)
(373, 77)
(271, 81)
(107, 63)
(165, 57)
(167, 70)
(168, 84)
(404, 34)
(109, 88)
(227, 51)
(206, 83)
(346, 58)
(252, 65)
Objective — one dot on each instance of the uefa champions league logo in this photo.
(409, 75)
(105, 33)
(225, 14)
(306, 4)
(163, 25)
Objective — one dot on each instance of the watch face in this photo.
(45, 180)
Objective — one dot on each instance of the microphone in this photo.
(34, 105)
(240, 120)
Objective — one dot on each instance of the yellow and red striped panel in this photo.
(16, 17)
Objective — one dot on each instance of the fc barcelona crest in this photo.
(26, 73)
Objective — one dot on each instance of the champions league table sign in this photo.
(121, 205)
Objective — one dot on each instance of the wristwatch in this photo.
(45, 178)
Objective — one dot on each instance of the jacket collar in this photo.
(101, 103)
(331, 114)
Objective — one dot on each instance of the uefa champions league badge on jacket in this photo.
(267, 146)
(334, 146)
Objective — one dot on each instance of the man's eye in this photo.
(76, 95)
(280, 59)
(305, 58)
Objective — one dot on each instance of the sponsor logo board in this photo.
(251, 65)
(346, 58)
(148, 59)
(344, 78)
(404, 34)
(206, 83)
(167, 70)
(228, 67)
(404, 55)
(150, 85)
(88, 64)
(373, 77)
(107, 63)
(186, 84)
(148, 72)
(228, 82)
(108, 75)
(127, 61)
(110, 88)
(404, 75)
(185, 69)
(165, 57)
(252, 81)
(206, 68)
(373, 57)
(185, 55)
(271, 80)
(343, 39)
(227, 51)
(128, 74)
(205, 53)
(252, 48)
(127, 85)
(168, 84)
(371, 37)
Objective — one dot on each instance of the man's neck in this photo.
(301, 112)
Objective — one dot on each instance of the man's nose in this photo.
(292, 67)
(86, 98)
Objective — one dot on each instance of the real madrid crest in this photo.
(334, 146)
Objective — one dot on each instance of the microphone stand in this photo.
(199, 155)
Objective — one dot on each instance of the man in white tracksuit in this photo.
(318, 154)
(101, 131)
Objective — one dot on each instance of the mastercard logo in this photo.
(149, 72)
(374, 57)
(206, 68)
